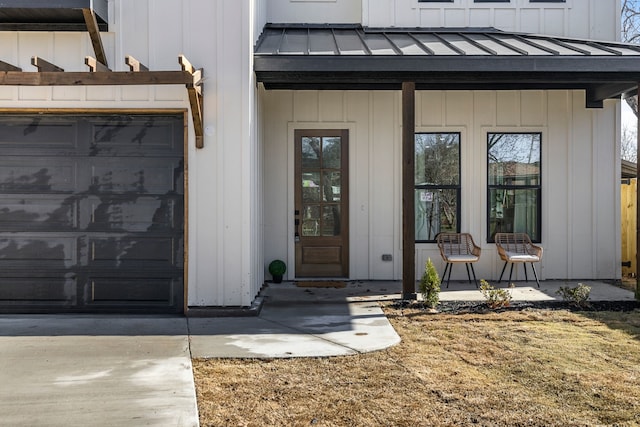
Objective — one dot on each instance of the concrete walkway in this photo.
(76, 370)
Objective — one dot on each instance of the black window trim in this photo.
(538, 187)
(458, 187)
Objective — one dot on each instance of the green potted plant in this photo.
(277, 268)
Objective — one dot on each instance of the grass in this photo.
(514, 368)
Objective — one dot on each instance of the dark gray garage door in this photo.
(91, 213)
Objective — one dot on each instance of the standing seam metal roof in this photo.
(358, 40)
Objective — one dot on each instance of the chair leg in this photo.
(510, 273)
(444, 273)
(535, 274)
(505, 266)
(449, 277)
(524, 265)
(466, 264)
(474, 275)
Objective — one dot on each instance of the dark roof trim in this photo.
(50, 15)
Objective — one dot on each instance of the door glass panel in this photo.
(311, 187)
(310, 152)
(331, 220)
(331, 152)
(311, 220)
(321, 186)
(331, 186)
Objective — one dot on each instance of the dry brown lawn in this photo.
(517, 368)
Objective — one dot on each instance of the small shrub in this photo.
(430, 286)
(577, 296)
(496, 298)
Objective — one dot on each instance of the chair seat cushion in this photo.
(462, 258)
(516, 257)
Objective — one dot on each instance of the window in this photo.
(437, 184)
(514, 188)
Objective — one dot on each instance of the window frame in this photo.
(435, 187)
(537, 187)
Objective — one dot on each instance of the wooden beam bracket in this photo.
(95, 65)
(5, 66)
(134, 64)
(194, 89)
(45, 66)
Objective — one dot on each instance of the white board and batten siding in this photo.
(592, 19)
(579, 185)
(225, 263)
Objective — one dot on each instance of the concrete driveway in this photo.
(75, 370)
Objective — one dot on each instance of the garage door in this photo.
(91, 213)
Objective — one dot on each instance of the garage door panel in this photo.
(30, 135)
(37, 175)
(154, 290)
(144, 176)
(123, 137)
(140, 252)
(30, 212)
(37, 251)
(131, 213)
(59, 290)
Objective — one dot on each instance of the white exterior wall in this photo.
(314, 11)
(224, 240)
(593, 19)
(580, 185)
(596, 19)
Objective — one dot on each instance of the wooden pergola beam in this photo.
(94, 33)
(51, 75)
(98, 78)
(45, 66)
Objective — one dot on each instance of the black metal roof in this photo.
(292, 56)
(50, 15)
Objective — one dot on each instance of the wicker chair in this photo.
(517, 248)
(457, 248)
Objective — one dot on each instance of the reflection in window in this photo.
(437, 184)
(514, 189)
